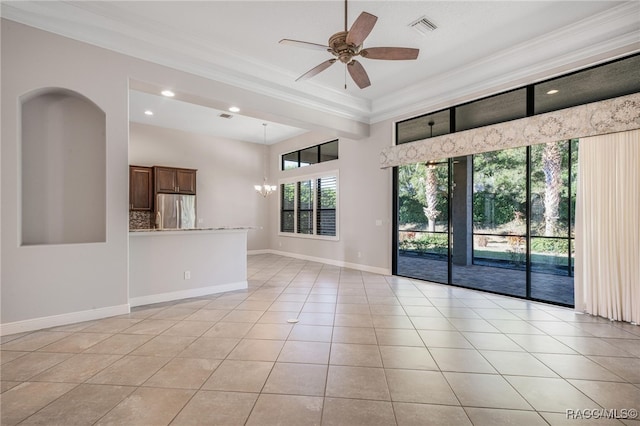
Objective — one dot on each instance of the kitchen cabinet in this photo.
(171, 180)
(140, 188)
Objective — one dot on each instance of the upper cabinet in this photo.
(140, 188)
(174, 180)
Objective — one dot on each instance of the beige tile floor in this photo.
(367, 350)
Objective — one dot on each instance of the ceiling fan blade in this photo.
(358, 74)
(390, 53)
(304, 44)
(316, 70)
(361, 28)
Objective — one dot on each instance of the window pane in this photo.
(288, 194)
(604, 82)
(499, 192)
(500, 252)
(418, 128)
(305, 207)
(329, 151)
(287, 205)
(550, 255)
(327, 192)
(496, 109)
(326, 213)
(290, 160)
(305, 195)
(286, 221)
(309, 156)
(550, 189)
(305, 222)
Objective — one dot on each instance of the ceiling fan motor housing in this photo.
(341, 49)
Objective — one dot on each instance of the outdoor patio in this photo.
(548, 287)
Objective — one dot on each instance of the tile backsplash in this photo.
(140, 220)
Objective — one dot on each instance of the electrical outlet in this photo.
(187, 275)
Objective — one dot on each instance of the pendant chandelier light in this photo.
(265, 189)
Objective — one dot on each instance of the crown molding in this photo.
(612, 33)
(585, 43)
(141, 38)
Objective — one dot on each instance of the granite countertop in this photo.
(222, 228)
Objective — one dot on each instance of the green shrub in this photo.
(549, 245)
(426, 243)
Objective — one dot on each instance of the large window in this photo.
(308, 206)
(315, 154)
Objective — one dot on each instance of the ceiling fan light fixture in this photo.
(423, 25)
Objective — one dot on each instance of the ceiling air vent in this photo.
(225, 115)
(423, 25)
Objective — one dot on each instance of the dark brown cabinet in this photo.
(140, 188)
(174, 180)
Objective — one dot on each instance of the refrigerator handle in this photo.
(179, 213)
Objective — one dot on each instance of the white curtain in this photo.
(607, 265)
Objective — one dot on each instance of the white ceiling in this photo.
(176, 114)
(479, 47)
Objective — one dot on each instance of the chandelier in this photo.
(265, 189)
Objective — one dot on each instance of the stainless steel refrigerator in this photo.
(175, 211)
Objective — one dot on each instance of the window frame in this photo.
(298, 153)
(313, 178)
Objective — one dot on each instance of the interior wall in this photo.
(227, 172)
(364, 192)
(83, 280)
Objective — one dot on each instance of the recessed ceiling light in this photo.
(552, 92)
(234, 109)
(148, 112)
(168, 93)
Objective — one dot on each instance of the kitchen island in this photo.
(176, 264)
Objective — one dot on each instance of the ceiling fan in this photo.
(347, 44)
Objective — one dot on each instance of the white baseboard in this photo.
(62, 319)
(357, 266)
(259, 251)
(185, 294)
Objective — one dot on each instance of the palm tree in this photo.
(552, 168)
(431, 193)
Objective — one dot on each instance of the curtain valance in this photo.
(597, 118)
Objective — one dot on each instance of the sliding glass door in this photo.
(499, 221)
(498, 209)
(423, 221)
(554, 169)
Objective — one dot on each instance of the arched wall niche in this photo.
(63, 168)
